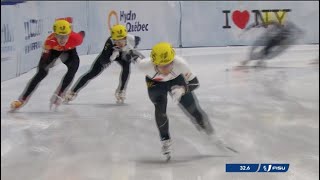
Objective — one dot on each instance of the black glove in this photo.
(136, 41)
(133, 55)
(105, 64)
(82, 33)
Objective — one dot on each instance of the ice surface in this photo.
(269, 115)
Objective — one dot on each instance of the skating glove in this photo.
(114, 55)
(177, 92)
(132, 56)
(82, 33)
(137, 40)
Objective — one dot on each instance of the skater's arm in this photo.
(193, 84)
(183, 68)
(136, 41)
(76, 39)
(135, 56)
(104, 56)
(132, 43)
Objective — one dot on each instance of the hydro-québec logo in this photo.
(130, 19)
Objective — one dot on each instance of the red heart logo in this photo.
(240, 18)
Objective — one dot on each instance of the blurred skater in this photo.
(277, 38)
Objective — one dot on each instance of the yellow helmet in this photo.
(118, 32)
(62, 27)
(162, 53)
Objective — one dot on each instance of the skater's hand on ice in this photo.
(177, 92)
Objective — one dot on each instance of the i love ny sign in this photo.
(241, 18)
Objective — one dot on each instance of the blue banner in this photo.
(11, 2)
(257, 167)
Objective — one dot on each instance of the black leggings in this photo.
(97, 69)
(70, 58)
(158, 92)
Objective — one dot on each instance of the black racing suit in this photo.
(70, 58)
(103, 61)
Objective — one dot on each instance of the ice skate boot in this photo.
(70, 96)
(207, 127)
(166, 149)
(120, 96)
(55, 101)
(15, 105)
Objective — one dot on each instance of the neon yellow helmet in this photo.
(118, 32)
(162, 54)
(62, 27)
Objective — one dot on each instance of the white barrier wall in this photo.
(9, 61)
(222, 23)
(25, 26)
(30, 35)
(152, 21)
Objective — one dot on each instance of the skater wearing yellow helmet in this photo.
(166, 73)
(115, 49)
(61, 43)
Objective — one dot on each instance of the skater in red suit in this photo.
(61, 43)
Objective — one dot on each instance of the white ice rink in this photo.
(269, 115)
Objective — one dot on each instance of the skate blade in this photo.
(168, 157)
(53, 107)
(239, 68)
(221, 145)
(12, 110)
(231, 149)
(120, 101)
(65, 102)
(226, 147)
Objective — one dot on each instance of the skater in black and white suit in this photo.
(115, 49)
(167, 73)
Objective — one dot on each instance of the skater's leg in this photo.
(72, 63)
(46, 62)
(71, 60)
(189, 104)
(95, 70)
(123, 79)
(158, 95)
(188, 101)
(125, 74)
